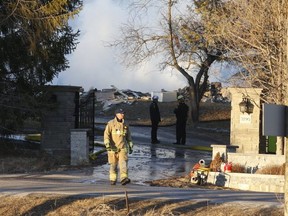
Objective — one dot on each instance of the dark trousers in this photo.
(181, 132)
(154, 131)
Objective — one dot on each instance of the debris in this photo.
(109, 103)
(120, 92)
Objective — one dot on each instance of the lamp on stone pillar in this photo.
(246, 106)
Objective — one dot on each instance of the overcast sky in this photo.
(93, 65)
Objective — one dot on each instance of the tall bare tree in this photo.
(179, 44)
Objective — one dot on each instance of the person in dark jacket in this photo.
(155, 119)
(181, 113)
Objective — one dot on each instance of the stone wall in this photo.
(251, 182)
(252, 162)
(256, 161)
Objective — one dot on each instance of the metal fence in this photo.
(87, 115)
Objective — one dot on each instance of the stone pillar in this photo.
(59, 120)
(223, 151)
(79, 147)
(245, 128)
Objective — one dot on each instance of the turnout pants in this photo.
(116, 159)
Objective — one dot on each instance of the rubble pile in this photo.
(107, 98)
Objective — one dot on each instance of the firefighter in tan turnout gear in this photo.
(118, 142)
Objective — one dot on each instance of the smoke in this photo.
(93, 65)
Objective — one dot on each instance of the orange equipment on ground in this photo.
(199, 173)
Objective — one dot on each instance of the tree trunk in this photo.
(194, 106)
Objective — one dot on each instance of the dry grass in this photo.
(272, 170)
(238, 168)
(14, 158)
(37, 204)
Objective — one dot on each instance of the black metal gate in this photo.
(87, 115)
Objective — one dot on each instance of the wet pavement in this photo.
(157, 161)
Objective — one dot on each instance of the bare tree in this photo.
(179, 44)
